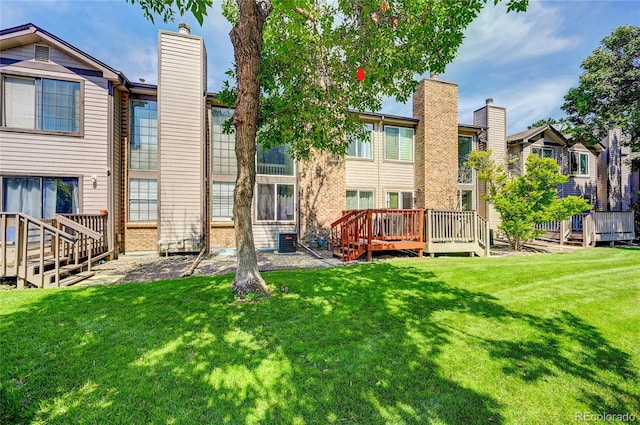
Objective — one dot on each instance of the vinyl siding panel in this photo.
(56, 58)
(265, 236)
(83, 156)
(379, 174)
(180, 136)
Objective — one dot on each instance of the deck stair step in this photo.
(73, 279)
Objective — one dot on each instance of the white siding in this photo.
(378, 174)
(265, 236)
(181, 85)
(83, 156)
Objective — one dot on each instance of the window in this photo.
(359, 199)
(362, 148)
(41, 104)
(579, 163)
(275, 161)
(275, 202)
(41, 197)
(222, 145)
(543, 152)
(402, 200)
(465, 200)
(398, 143)
(465, 146)
(143, 200)
(143, 142)
(222, 194)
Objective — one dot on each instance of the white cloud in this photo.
(500, 37)
(525, 102)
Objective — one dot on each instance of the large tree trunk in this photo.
(246, 38)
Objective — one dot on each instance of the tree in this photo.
(296, 64)
(608, 94)
(526, 200)
(558, 123)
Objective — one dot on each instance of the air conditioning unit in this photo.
(287, 242)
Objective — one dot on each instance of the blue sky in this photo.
(526, 62)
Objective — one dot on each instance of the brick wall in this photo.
(321, 194)
(222, 235)
(435, 104)
(142, 237)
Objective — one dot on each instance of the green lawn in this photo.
(520, 340)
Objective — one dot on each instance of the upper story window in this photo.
(543, 152)
(143, 143)
(465, 146)
(362, 148)
(223, 154)
(579, 164)
(41, 104)
(275, 161)
(398, 143)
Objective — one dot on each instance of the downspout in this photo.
(110, 185)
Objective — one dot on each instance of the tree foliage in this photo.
(526, 200)
(608, 94)
(308, 53)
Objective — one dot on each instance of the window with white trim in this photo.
(398, 199)
(579, 164)
(398, 143)
(362, 148)
(275, 202)
(465, 146)
(275, 161)
(222, 196)
(143, 142)
(223, 154)
(41, 104)
(359, 199)
(143, 199)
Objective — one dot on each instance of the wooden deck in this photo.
(590, 228)
(362, 232)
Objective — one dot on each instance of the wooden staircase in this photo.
(51, 253)
(363, 231)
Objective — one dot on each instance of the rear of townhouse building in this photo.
(78, 137)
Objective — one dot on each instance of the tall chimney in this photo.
(184, 28)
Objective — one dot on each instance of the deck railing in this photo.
(34, 250)
(596, 226)
(352, 235)
(456, 231)
(26, 241)
(614, 225)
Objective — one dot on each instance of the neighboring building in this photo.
(76, 136)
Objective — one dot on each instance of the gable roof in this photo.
(534, 134)
(30, 33)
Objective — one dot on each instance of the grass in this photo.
(519, 340)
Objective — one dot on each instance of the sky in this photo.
(526, 61)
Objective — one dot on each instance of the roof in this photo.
(30, 33)
(532, 134)
(471, 128)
